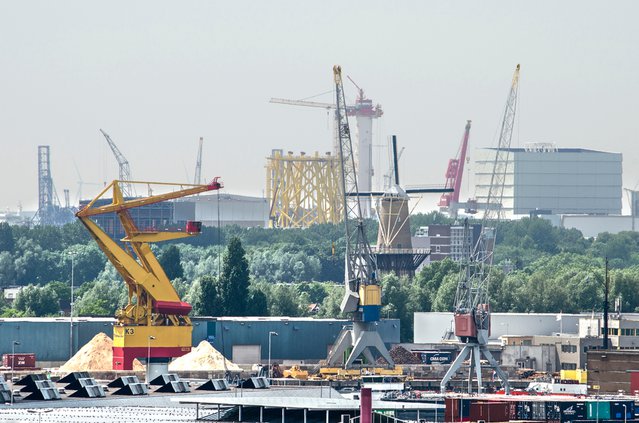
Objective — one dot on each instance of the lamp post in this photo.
(13, 360)
(72, 255)
(148, 357)
(270, 372)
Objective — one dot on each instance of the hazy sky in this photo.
(157, 75)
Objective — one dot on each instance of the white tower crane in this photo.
(472, 302)
(125, 170)
(364, 112)
(198, 164)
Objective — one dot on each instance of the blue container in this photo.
(573, 410)
(618, 408)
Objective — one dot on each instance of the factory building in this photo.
(544, 179)
(243, 340)
(210, 209)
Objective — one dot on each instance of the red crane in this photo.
(454, 173)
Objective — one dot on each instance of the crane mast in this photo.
(455, 173)
(472, 302)
(123, 163)
(362, 296)
(198, 164)
(154, 311)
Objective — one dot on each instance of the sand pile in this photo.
(96, 355)
(203, 357)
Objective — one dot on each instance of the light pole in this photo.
(13, 360)
(270, 372)
(72, 255)
(148, 357)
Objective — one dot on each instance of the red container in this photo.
(19, 361)
(193, 227)
(489, 411)
(457, 410)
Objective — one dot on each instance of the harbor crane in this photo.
(363, 294)
(154, 324)
(472, 302)
(123, 163)
(449, 201)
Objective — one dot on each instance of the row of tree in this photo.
(293, 272)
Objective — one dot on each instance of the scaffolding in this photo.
(303, 190)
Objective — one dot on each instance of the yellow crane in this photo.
(154, 324)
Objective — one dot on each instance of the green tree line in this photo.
(299, 272)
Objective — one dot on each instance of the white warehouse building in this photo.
(544, 179)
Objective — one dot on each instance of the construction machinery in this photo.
(123, 164)
(364, 112)
(363, 294)
(472, 302)
(154, 325)
(449, 201)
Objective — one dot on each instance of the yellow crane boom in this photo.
(154, 323)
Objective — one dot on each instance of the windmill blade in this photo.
(428, 189)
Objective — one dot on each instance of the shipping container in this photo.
(573, 411)
(598, 410)
(619, 408)
(457, 410)
(524, 411)
(489, 411)
(435, 357)
(19, 361)
(538, 410)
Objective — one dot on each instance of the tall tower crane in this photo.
(362, 298)
(472, 302)
(198, 164)
(154, 324)
(123, 163)
(449, 200)
(364, 111)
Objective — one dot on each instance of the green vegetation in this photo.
(299, 272)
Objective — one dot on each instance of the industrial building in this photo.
(211, 210)
(445, 241)
(544, 179)
(243, 340)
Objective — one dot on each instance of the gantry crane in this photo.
(123, 163)
(472, 302)
(449, 201)
(362, 298)
(154, 323)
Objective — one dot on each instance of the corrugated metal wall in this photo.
(302, 339)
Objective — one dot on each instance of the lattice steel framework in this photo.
(303, 190)
(45, 186)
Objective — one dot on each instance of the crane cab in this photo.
(193, 227)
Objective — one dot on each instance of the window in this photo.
(569, 348)
(568, 366)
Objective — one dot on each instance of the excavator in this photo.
(154, 325)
